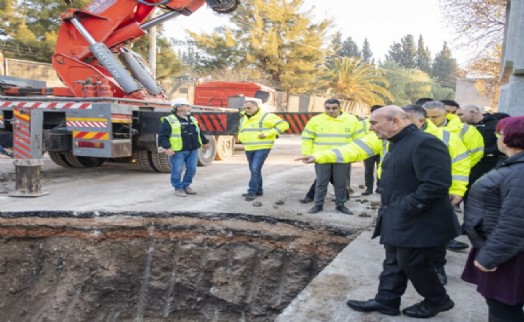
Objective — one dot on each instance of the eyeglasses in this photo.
(498, 134)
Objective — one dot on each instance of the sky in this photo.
(382, 22)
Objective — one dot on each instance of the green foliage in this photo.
(403, 53)
(367, 54)
(349, 49)
(423, 56)
(275, 39)
(352, 79)
(407, 85)
(445, 68)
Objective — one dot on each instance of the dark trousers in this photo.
(326, 171)
(500, 312)
(311, 191)
(413, 264)
(370, 164)
(440, 256)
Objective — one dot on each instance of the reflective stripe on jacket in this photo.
(460, 158)
(470, 136)
(269, 124)
(176, 131)
(370, 145)
(323, 132)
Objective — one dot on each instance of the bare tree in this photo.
(479, 23)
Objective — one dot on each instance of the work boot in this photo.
(343, 210)
(189, 191)
(315, 209)
(455, 245)
(180, 193)
(306, 199)
(441, 274)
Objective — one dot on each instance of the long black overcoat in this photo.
(416, 176)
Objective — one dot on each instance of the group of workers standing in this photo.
(432, 156)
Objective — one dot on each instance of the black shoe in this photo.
(441, 274)
(315, 209)
(256, 194)
(372, 306)
(249, 197)
(423, 310)
(343, 210)
(378, 190)
(306, 200)
(367, 193)
(456, 245)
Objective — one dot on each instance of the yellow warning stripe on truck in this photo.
(90, 135)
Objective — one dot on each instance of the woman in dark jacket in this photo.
(494, 222)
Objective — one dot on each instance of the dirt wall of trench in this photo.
(60, 266)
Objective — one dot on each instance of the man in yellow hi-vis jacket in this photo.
(257, 132)
(323, 132)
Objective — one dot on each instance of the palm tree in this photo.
(352, 79)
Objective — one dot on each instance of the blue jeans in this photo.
(177, 160)
(256, 160)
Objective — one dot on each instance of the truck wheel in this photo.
(225, 147)
(58, 158)
(207, 155)
(144, 160)
(82, 162)
(161, 162)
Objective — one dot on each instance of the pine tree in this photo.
(395, 53)
(444, 68)
(409, 52)
(277, 40)
(349, 49)
(367, 54)
(423, 56)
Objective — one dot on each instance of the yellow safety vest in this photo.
(176, 131)
(323, 132)
(269, 124)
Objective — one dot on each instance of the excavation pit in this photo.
(101, 266)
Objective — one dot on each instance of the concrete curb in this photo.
(354, 274)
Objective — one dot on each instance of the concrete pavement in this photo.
(354, 274)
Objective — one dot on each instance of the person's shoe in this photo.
(367, 193)
(249, 197)
(343, 210)
(422, 310)
(306, 200)
(441, 274)
(378, 190)
(180, 193)
(456, 245)
(315, 209)
(256, 194)
(190, 191)
(372, 306)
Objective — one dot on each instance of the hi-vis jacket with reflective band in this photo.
(323, 132)
(261, 122)
(370, 144)
(176, 131)
(469, 135)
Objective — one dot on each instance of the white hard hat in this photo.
(179, 101)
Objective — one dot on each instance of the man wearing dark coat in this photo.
(415, 216)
